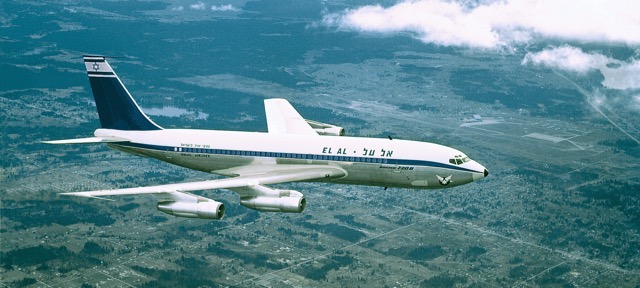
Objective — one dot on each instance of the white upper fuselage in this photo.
(367, 161)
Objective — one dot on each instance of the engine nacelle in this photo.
(332, 131)
(204, 210)
(291, 204)
(326, 129)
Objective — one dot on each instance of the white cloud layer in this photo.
(617, 74)
(567, 58)
(201, 6)
(224, 8)
(198, 6)
(510, 24)
(496, 24)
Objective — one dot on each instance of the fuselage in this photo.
(367, 161)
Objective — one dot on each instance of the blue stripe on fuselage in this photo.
(317, 157)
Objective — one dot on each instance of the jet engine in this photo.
(204, 210)
(290, 201)
(326, 129)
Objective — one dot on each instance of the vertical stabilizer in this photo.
(116, 107)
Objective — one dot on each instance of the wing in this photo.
(282, 118)
(250, 177)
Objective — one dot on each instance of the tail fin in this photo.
(116, 107)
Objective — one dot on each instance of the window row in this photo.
(281, 155)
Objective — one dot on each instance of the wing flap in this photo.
(306, 173)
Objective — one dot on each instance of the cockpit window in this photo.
(459, 159)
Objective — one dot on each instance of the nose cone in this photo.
(479, 175)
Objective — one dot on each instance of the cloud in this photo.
(512, 24)
(497, 24)
(617, 74)
(177, 8)
(227, 7)
(507, 24)
(605, 102)
(201, 6)
(624, 77)
(566, 58)
(197, 6)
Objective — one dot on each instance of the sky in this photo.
(512, 25)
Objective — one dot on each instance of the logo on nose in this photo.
(444, 181)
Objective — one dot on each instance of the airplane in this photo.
(293, 150)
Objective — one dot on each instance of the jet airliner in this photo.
(294, 149)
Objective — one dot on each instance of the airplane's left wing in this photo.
(304, 173)
(174, 199)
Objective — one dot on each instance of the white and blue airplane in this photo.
(294, 149)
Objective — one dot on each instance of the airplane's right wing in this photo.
(282, 118)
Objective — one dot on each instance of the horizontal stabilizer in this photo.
(88, 140)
